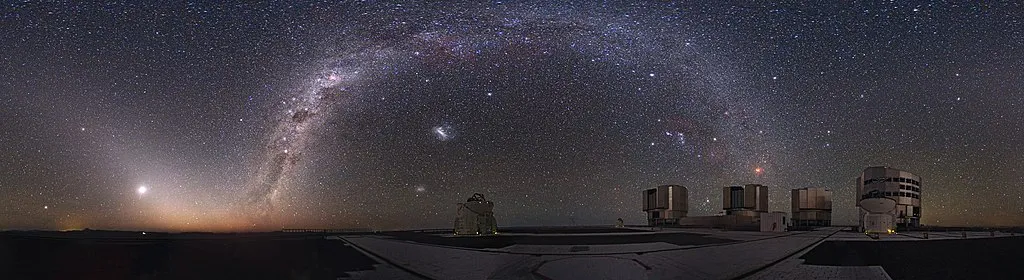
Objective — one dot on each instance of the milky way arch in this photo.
(448, 39)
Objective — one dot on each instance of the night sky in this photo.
(208, 116)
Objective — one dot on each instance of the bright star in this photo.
(142, 190)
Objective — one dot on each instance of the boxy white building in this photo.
(773, 222)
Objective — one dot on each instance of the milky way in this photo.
(458, 39)
(303, 114)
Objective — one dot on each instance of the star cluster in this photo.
(384, 114)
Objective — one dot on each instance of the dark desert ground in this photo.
(132, 255)
(288, 255)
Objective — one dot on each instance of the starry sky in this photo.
(377, 114)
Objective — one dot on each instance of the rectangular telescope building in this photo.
(665, 205)
(746, 200)
(812, 207)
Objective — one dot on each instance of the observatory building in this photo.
(812, 207)
(878, 187)
(747, 200)
(476, 217)
(746, 208)
(665, 205)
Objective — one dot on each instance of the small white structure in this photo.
(476, 217)
(773, 222)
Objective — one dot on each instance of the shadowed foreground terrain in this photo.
(122, 255)
(987, 258)
(507, 237)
